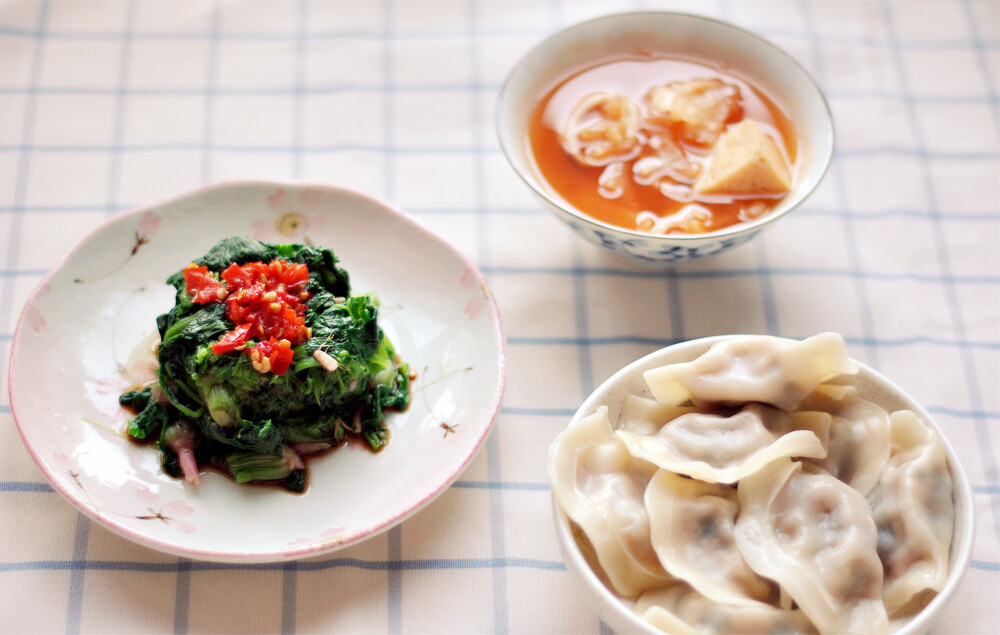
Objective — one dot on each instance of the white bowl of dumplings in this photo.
(753, 484)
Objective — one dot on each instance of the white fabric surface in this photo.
(109, 105)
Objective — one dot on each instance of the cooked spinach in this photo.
(220, 410)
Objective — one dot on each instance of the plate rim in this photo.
(318, 547)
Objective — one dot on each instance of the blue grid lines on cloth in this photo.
(246, 91)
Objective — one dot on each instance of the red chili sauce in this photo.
(266, 302)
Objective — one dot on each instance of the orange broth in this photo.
(634, 76)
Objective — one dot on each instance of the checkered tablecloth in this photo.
(108, 105)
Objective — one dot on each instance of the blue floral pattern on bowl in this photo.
(581, 45)
(653, 250)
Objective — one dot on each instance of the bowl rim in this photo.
(960, 555)
(737, 229)
(286, 553)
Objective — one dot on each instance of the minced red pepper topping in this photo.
(266, 302)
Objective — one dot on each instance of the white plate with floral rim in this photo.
(72, 355)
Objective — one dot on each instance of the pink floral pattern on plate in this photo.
(295, 215)
(148, 225)
(478, 302)
(34, 319)
(168, 513)
(70, 422)
(328, 537)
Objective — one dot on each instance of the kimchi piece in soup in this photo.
(663, 145)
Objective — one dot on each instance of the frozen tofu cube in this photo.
(700, 108)
(745, 161)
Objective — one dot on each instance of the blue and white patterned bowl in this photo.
(745, 53)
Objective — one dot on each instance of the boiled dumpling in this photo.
(645, 416)
(600, 486)
(814, 535)
(859, 435)
(680, 610)
(700, 108)
(691, 524)
(723, 449)
(603, 128)
(913, 510)
(758, 368)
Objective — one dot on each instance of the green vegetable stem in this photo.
(223, 410)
